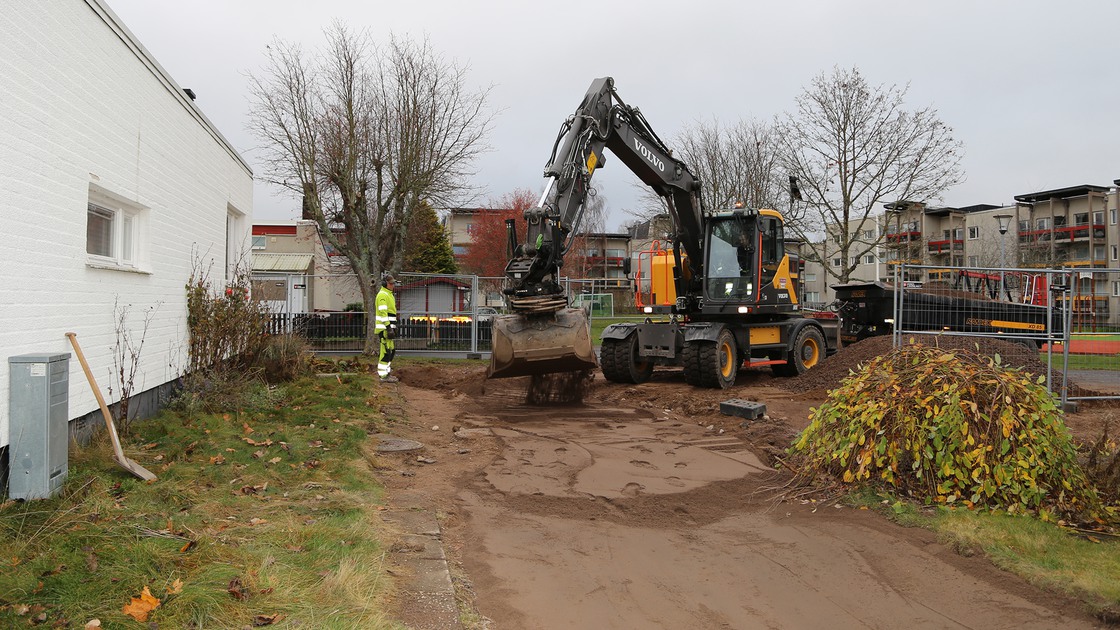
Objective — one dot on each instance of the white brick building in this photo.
(113, 185)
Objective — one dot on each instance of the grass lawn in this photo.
(265, 515)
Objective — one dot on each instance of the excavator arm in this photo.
(602, 120)
(543, 335)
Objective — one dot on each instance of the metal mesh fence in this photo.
(1064, 324)
(436, 313)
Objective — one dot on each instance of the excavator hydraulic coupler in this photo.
(525, 345)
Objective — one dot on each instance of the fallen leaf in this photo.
(267, 591)
(217, 460)
(187, 547)
(91, 562)
(93, 623)
(274, 460)
(237, 590)
(21, 609)
(176, 587)
(266, 620)
(140, 607)
(257, 521)
(55, 571)
(258, 454)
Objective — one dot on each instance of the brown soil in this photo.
(645, 507)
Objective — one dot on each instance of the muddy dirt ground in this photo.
(645, 507)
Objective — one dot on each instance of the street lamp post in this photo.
(1004, 221)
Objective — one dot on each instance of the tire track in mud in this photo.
(571, 517)
(624, 465)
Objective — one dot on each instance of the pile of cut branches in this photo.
(951, 428)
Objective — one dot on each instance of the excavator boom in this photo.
(542, 334)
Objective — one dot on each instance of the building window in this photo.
(1116, 288)
(1060, 221)
(1116, 252)
(1112, 216)
(836, 262)
(958, 234)
(235, 242)
(814, 296)
(1098, 218)
(812, 277)
(869, 259)
(1081, 218)
(470, 228)
(1098, 252)
(1024, 226)
(869, 235)
(973, 233)
(1043, 224)
(973, 261)
(260, 242)
(113, 230)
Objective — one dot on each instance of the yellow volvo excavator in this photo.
(733, 290)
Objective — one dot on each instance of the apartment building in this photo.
(1073, 227)
(824, 261)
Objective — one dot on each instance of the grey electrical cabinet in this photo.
(38, 418)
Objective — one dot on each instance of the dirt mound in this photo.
(836, 368)
(469, 380)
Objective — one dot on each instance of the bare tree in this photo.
(852, 146)
(364, 135)
(737, 163)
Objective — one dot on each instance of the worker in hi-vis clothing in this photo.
(385, 324)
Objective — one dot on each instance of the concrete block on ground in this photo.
(742, 409)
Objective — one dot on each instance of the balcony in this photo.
(903, 237)
(606, 261)
(945, 246)
(1063, 234)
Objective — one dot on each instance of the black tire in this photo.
(809, 349)
(708, 364)
(621, 363)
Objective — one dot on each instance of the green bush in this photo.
(952, 428)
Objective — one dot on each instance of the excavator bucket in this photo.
(526, 345)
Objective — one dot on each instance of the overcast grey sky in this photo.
(1030, 87)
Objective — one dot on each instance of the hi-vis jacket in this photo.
(386, 310)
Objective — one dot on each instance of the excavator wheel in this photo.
(621, 363)
(808, 350)
(708, 364)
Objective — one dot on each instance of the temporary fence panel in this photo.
(980, 303)
(1091, 353)
(1067, 319)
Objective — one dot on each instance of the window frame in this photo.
(973, 232)
(125, 232)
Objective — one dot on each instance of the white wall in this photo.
(82, 105)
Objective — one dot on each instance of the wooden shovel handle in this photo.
(73, 337)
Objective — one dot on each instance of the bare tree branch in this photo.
(364, 135)
(853, 147)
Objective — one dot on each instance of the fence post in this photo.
(896, 335)
(1067, 326)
